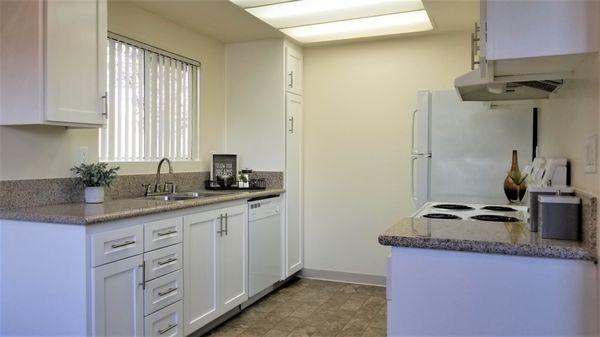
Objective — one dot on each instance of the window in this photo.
(152, 104)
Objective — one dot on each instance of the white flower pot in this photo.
(94, 195)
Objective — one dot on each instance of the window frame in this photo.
(133, 167)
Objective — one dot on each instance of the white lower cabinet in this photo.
(215, 264)
(200, 266)
(167, 322)
(118, 298)
(233, 266)
(143, 294)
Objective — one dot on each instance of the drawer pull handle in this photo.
(167, 233)
(126, 243)
(173, 259)
(171, 326)
(170, 290)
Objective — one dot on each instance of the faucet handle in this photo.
(147, 189)
(170, 186)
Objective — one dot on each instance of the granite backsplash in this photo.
(43, 192)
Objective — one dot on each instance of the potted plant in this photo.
(95, 177)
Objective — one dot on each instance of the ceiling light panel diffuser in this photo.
(255, 3)
(308, 12)
(391, 24)
(310, 21)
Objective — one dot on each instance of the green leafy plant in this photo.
(517, 177)
(95, 174)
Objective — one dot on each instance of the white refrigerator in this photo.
(462, 151)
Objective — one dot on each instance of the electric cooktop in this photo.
(473, 212)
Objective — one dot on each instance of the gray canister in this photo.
(534, 192)
(559, 217)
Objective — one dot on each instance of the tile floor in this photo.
(313, 308)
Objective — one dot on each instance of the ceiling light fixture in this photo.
(310, 21)
(408, 22)
(307, 12)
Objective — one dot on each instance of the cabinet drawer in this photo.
(163, 291)
(163, 261)
(116, 245)
(162, 233)
(167, 322)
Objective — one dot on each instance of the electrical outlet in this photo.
(591, 154)
(83, 154)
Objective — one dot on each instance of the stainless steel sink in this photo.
(183, 196)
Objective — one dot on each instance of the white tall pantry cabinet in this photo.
(264, 124)
(293, 182)
(53, 62)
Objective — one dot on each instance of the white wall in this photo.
(358, 103)
(569, 118)
(31, 152)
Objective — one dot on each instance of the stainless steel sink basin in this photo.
(183, 196)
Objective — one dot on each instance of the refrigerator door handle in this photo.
(412, 135)
(412, 178)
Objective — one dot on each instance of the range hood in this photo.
(517, 79)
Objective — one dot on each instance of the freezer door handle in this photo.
(412, 178)
(412, 134)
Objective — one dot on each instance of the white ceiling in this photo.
(224, 21)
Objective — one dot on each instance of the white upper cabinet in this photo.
(293, 69)
(53, 62)
(522, 29)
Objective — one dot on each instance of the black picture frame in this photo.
(224, 164)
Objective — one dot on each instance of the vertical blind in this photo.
(152, 99)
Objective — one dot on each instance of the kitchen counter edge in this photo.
(571, 250)
(75, 214)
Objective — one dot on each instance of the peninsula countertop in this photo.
(481, 237)
(85, 214)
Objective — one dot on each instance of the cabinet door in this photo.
(522, 29)
(293, 184)
(234, 257)
(200, 256)
(293, 70)
(118, 298)
(75, 61)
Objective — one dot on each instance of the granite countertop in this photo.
(481, 237)
(85, 214)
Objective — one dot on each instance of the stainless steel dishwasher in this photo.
(265, 228)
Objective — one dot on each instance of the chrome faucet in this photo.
(157, 183)
(148, 190)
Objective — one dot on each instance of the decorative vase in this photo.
(94, 195)
(514, 184)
